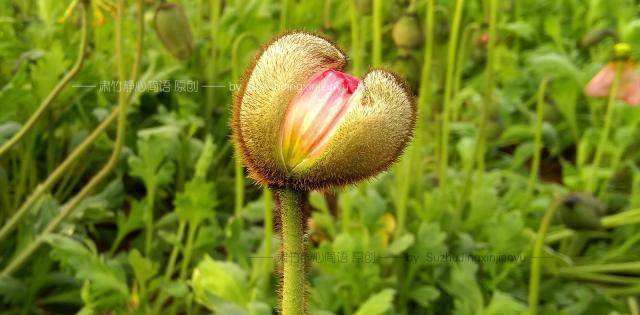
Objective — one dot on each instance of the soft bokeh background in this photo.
(375, 246)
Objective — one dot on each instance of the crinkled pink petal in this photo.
(600, 85)
(314, 115)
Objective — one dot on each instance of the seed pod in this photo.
(298, 121)
(364, 7)
(406, 32)
(581, 211)
(172, 27)
(594, 37)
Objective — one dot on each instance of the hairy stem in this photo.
(293, 281)
(57, 89)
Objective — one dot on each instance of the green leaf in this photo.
(218, 283)
(143, 268)
(425, 295)
(378, 303)
(399, 245)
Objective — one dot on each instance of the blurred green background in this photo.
(176, 228)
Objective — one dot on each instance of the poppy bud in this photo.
(299, 121)
(172, 27)
(594, 37)
(406, 32)
(580, 211)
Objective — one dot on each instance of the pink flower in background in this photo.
(629, 90)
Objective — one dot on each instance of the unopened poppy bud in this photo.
(172, 27)
(406, 32)
(581, 211)
(596, 36)
(299, 121)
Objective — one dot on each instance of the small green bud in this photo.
(621, 50)
(595, 36)
(364, 7)
(581, 211)
(406, 32)
(172, 27)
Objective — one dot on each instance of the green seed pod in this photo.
(596, 36)
(581, 211)
(299, 122)
(406, 32)
(364, 7)
(172, 27)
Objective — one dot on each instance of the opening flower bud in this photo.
(314, 115)
(299, 121)
(172, 27)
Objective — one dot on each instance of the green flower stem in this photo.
(293, 283)
(599, 277)
(425, 91)
(56, 174)
(622, 218)
(211, 71)
(626, 267)
(284, 14)
(356, 50)
(604, 137)
(326, 15)
(235, 75)
(467, 34)
(535, 164)
(478, 147)
(448, 95)
(148, 238)
(268, 223)
(123, 99)
(57, 89)
(634, 309)
(376, 46)
(536, 260)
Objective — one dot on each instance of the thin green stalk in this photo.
(148, 239)
(284, 14)
(326, 15)
(478, 148)
(11, 224)
(268, 224)
(599, 277)
(634, 309)
(238, 169)
(171, 264)
(622, 218)
(211, 71)
(356, 50)
(535, 164)
(536, 258)
(448, 95)
(626, 267)
(604, 137)
(123, 98)
(62, 169)
(57, 89)
(468, 32)
(293, 284)
(376, 49)
(425, 80)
